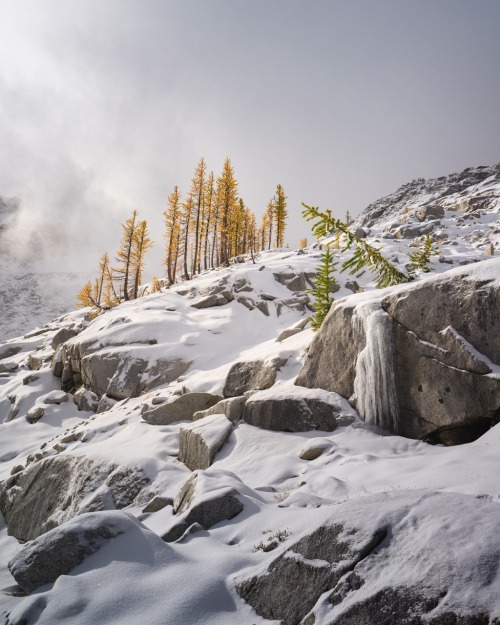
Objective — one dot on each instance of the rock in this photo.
(263, 307)
(200, 441)
(359, 232)
(55, 397)
(369, 563)
(17, 469)
(297, 410)
(59, 551)
(86, 400)
(424, 368)
(56, 364)
(430, 211)
(249, 375)
(180, 408)
(8, 366)
(105, 404)
(314, 449)
(35, 414)
(232, 407)
(57, 488)
(117, 371)
(8, 350)
(40, 358)
(61, 336)
(210, 301)
(297, 281)
(158, 503)
(489, 250)
(295, 329)
(353, 286)
(206, 499)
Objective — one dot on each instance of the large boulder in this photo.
(118, 371)
(417, 359)
(250, 375)
(205, 499)
(59, 551)
(297, 410)
(199, 442)
(55, 489)
(179, 408)
(397, 558)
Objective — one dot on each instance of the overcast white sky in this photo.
(105, 105)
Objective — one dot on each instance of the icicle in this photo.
(374, 385)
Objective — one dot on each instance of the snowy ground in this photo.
(137, 577)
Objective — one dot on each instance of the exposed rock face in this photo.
(180, 408)
(250, 375)
(417, 360)
(370, 564)
(115, 371)
(200, 441)
(297, 410)
(57, 552)
(55, 489)
(206, 499)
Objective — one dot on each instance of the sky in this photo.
(105, 105)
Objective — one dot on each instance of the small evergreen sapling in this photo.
(323, 283)
(421, 257)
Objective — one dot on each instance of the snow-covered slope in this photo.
(414, 524)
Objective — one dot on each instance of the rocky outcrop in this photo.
(370, 564)
(55, 489)
(200, 441)
(59, 551)
(297, 410)
(115, 371)
(417, 359)
(207, 498)
(251, 375)
(179, 408)
(232, 407)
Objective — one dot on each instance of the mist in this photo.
(106, 106)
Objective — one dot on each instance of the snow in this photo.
(136, 577)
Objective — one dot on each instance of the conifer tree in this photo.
(227, 198)
(322, 290)
(209, 205)
(172, 233)
(155, 285)
(421, 257)
(263, 230)
(125, 255)
(270, 223)
(185, 231)
(197, 192)
(140, 245)
(280, 215)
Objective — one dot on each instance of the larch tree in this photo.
(197, 193)
(227, 198)
(140, 245)
(172, 233)
(124, 255)
(185, 232)
(270, 222)
(280, 215)
(208, 217)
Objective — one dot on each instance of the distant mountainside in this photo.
(463, 207)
